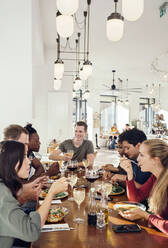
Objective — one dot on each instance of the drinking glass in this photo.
(79, 196)
(72, 181)
(63, 168)
(70, 153)
(108, 188)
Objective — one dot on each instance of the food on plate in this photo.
(126, 205)
(117, 189)
(57, 214)
(56, 196)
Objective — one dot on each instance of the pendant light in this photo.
(115, 25)
(87, 65)
(78, 81)
(132, 9)
(57, 84)
(86, 94)
(65, 25)
(67, 7)
(58, 64)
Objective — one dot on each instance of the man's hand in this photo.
(125, 163)
(118, 178)
(110, 167)
(66, 157)
(107, 175)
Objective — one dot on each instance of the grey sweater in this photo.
(14, 223)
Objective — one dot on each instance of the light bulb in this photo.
(86, 94)
(77, 83)
(57, 84)
(58, 69)
(67, 7)
(65, 25)
(115, 27)
(83, 75)
(87, 68)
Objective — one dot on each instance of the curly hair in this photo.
(133, 136)
(30, 129)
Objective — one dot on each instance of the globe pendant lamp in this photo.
(77, 83)
(67, 7)
(87, 68)
(58, 69)
(73, 93)
(115, 25)
(86, 94)
(65, 25)
(57, 84)
(132, 9)
(82, 74)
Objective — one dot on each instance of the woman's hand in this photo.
(134, 214)
(127, 166)
(60, 185)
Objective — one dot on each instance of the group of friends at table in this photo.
(143, 168)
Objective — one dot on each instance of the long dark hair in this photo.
(11, 152)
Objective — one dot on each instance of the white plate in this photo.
(125, 205)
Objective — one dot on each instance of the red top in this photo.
(140, 194)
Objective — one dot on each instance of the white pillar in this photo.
(15, 62)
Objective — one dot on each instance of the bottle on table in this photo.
(92, 215)
(104, 208)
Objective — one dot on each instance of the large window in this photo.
(111, 113)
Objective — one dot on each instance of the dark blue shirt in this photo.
(139, 176)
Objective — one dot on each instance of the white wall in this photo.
(15, 62)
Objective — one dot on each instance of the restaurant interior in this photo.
(102, 63)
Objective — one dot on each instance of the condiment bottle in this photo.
(92, 216)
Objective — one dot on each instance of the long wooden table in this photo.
(85, 236)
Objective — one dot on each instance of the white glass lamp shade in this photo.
(74, 94)
(132, 9)
(78, 83)
(83, 75)
(67, 7)
(115, 27)
(58, 69)
(65, 25)
(57, 84)
(86, 94)
(87, 68)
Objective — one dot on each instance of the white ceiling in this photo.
(143, 41)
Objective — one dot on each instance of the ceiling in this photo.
(143, 41)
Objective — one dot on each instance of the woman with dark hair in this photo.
(14, 166)
(34, 146)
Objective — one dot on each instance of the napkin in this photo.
(53, 202)
(55, 227)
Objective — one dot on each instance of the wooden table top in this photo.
(85, 236)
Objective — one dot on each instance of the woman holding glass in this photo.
(14, 166)
(153, 157)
